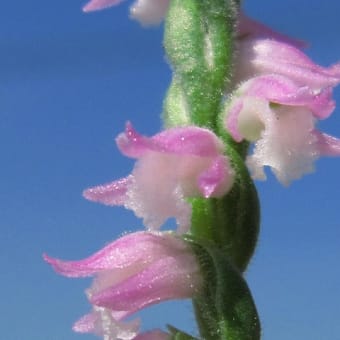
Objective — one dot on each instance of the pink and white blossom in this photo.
(131, 273)
(280, 117)
(279, 95)
(147, 12)
(171, 166)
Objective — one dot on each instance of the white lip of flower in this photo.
(283, 137)
(111, 329)
(155, 197)
(249, 122)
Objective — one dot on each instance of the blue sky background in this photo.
(68, 83)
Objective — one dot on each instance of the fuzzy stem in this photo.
(199, 36)
(198, 41)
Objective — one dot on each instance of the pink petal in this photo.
(124, 252)
(113, 193)
(328, 145)
(217, 179)
(281, 90)
(96, 5)
(189, 140)
(132, 144)
(266, 56)
(169, 278)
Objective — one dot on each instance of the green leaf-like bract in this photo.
(224, 307)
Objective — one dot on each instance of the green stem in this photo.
(198, 41)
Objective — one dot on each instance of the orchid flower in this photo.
(277, 107)
(131, 273)
(280, 117)
(173, 165)
(258, 56)
(147, 12)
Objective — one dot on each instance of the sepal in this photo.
(224, 306)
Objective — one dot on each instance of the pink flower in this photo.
(279, 115)
(131, 273)
(278, 105)
(268, 56)
(173, 165)
(148, 12)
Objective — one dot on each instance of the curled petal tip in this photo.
(56, 264)
(47, 258)
(86, 9)
(327, 145)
